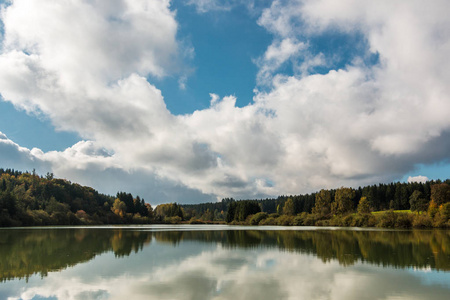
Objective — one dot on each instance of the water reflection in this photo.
(39, 251)
(142, 263)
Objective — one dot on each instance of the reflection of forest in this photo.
(38, 251)
(421, 249)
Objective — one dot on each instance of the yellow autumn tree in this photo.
(119, 208)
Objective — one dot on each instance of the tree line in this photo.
(398, 204)
(27, 199)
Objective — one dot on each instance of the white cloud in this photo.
(364, 122)
(275, 56)
(85, 66)
(204, 6)
(89, 164)
(418, 178)
(13, 156)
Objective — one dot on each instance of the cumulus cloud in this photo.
(89, 164)
(86, 66)
(418, 178)
(364, 121)
(69, 60)
(16, 157)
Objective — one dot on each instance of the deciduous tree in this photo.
(343, 199)
(363, 206)
(289, 208)
(323, 203)
(440, 193)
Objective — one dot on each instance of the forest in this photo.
(27, 199)
(393, 205)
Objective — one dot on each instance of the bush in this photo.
(422, 221)
(172, 220)
(285, 220)
(361, 220)
(193, 220)
(347, 221)
(310, 220)
(323, 223)
(59, 218)
(138, 219)
(445, 211)
(257, 218)
(439, 220)
(372, 221)
(387, 219)
(403, 220)
(299, 220)
(336, 221)
(72, 219)
(41, 217)
(268, 221)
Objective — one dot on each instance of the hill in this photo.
(27, 199)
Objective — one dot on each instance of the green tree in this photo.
(169, 210)
(363, 206)
(8, 203)
(54, 206)
(323, 203)
(418, 201)
(127, 198)
(289, 208)
(231, 212)
(150, 213)
(344, 200)
(246, 208)
(445, 211)
(208, 215)
(440, 193)
(401, 196)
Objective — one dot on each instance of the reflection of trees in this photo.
(27, 252)
(39, 251)
(384, 248)
(171, 237)
(123, 242)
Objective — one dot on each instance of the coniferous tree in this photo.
(417, 201)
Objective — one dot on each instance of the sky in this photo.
(193, 101)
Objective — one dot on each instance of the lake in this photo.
(223, 262)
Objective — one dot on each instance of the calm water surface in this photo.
(221, 262)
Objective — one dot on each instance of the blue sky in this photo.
(192, 101)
